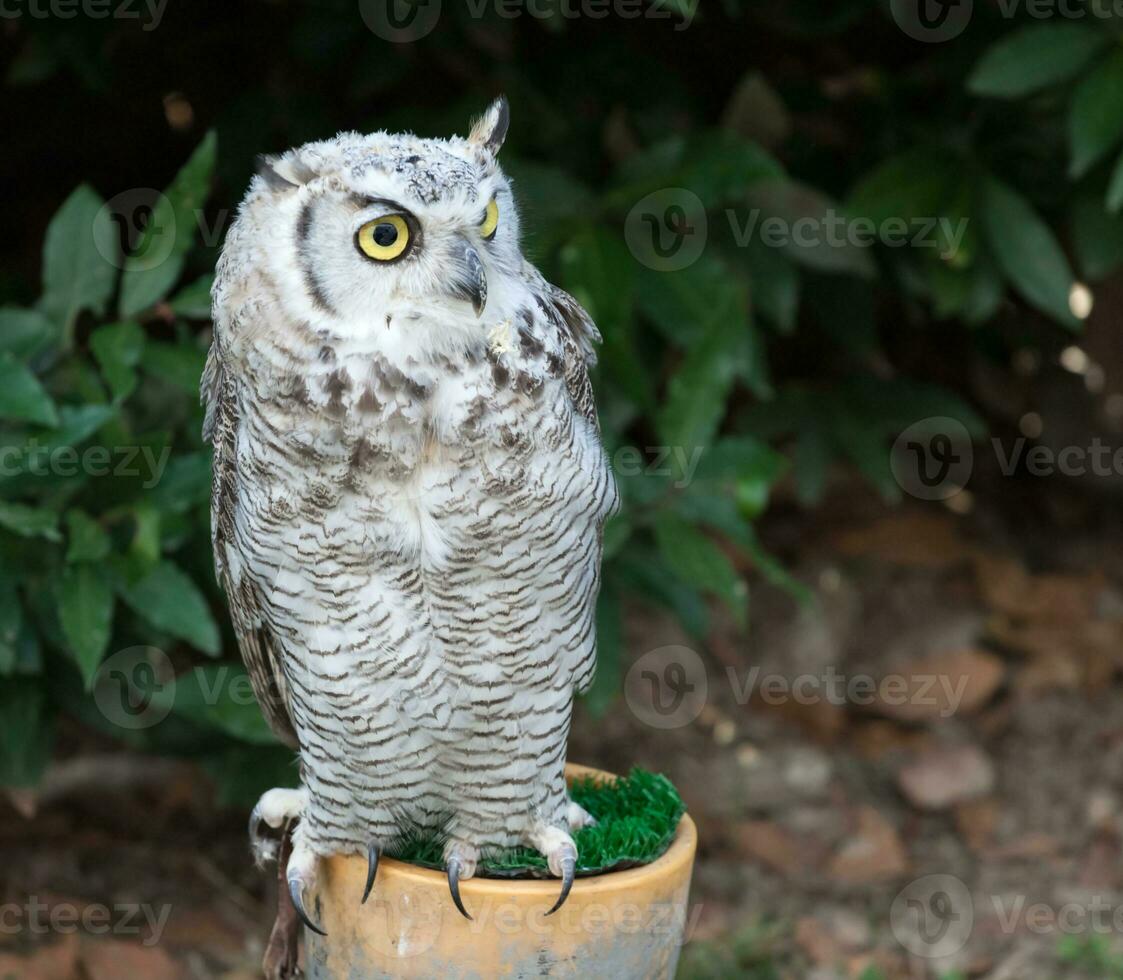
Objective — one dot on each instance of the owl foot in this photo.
(561, 857)
(301, 876)
(374, 852)
(460, 860)
(275, 809)
(577, 816)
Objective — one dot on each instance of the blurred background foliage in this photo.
(779, 363)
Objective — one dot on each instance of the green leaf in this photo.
(86, 539)
(117, 348)
(774, 286)
(697, 393)
(644, 573)
(179, 364)
(78, 259)
(85, 610)
(167, 238)
(697, 560)
(171, 602)
(25, 333)
(598, 270)
(721, 166)
(1036, 57)
(193, 302)
(145, 545)
(812, 228)
(610, 646)
(26, 732)
(1114, 199)
(914, 184)
(1097, 237)
(22, 397)
(186, 483)
(684, 305)
(1096, 116)
(220, 696)
(29, 522)
(11, 621)
(810, 465)
(1026, 251)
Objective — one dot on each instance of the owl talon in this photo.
(373, 854)
(454, 886)
(561, 857)
(569, 872)
(296, 891)
(301, 875)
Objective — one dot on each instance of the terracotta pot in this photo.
(624, 924)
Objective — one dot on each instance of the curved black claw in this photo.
(297, 895)
(454, 886)
(373, 854)
(569, 872)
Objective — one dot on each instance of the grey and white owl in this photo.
(409, 493)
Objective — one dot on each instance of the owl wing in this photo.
(579, 352)
(260, 651)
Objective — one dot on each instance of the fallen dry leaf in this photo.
(771, 845)
(112, 959)
(57, 960)
(931, 689)
(1008, 588)
(923, 540)
(816, 941)
(873, 853)
(944, 776)
(976, 821)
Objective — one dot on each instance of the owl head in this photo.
(362, 232)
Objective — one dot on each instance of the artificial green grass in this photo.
(636, 819)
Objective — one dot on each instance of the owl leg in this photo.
(301, 876)
(577, 816)
(560, 852)
(275, 809)
(460, 861)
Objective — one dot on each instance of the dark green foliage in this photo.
(756, 364)
(636, 815)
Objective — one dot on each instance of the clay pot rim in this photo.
(680, 853)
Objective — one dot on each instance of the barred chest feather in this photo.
(362, 434)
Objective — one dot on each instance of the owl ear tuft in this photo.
(266, 167)
(300, 172)
(490, 129)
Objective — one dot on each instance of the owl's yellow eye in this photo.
(384, 239)
(491, 221)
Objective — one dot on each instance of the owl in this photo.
(408, 500)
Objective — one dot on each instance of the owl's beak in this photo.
(467, 279)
